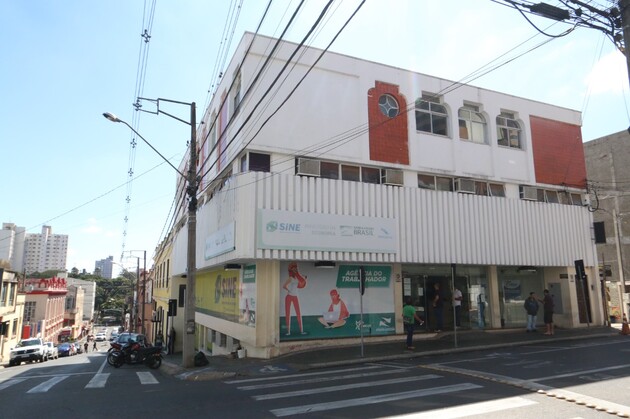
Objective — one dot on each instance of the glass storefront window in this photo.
(472, 281)
(514, 288)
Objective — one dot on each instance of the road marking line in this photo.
(319, 407)
(582, 372)
(11, 382)
(471, 409)
(532, 385)
(344, 387)
(47, 385)
(98, 381)
(309, 374)
(319, 380)
(147, 378)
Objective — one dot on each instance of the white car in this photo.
(53, 352)
(100, 337)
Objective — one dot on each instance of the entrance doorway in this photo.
(419, 283)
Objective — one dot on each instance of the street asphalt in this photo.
(425, 344)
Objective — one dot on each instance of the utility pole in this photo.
(625, 25)
(188, 347)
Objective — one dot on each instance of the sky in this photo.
(65, 62)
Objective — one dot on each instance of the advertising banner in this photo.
(319, 303)
(292, 230)
(217, 294)
(247, 294)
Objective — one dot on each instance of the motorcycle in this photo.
(133, 353)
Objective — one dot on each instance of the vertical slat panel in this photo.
(433, 226)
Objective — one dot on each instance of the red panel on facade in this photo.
(558, 153)
(389, 140)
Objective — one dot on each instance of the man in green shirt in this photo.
(409, 318)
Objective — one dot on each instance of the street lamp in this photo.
(188, 348)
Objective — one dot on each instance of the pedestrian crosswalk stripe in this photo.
(320, 379)
(471, 409)
(98, 381)
(147, 378)
(47, 385)
(11, 382)
(319, 407)
(308, 374)
(344, 387)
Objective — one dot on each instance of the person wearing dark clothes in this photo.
(548, 312)
(531, 308)
(438, 307)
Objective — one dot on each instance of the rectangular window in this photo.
(244, 164)
(497, 189)
(370, 175)
(552, 197)
(352, 173)
(29, 310)
(329, 170)
(481, 188)
(426, 181)
(182, 296)
(259, 162)
(444, 183)
(576, 199)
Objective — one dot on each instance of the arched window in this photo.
(472, 124)
(508, 131)
(431, 115)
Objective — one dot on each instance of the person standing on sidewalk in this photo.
(531, 307)
(409, 319)
(85, 346)
(548, 312)
(457, 303)
(438, 307)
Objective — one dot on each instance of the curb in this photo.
(212, 373)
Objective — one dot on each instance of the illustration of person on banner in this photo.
(294, 282)
(337, 312)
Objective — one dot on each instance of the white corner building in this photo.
(346, 166)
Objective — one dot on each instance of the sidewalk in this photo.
(425, 344)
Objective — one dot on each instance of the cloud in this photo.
(609, 75)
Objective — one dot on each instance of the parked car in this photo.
(52, 352)
(78, 347)
(100, 337)
(32, 349)
(113, 336)
(66, 349)
(124, 338)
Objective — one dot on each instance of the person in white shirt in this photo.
(457, 303)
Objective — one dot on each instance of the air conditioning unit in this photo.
(529, 193)
(308, 167)
(392, 177)
(465, 185)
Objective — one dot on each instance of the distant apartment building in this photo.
(104, 267)
(12, 240)
(45, 251)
